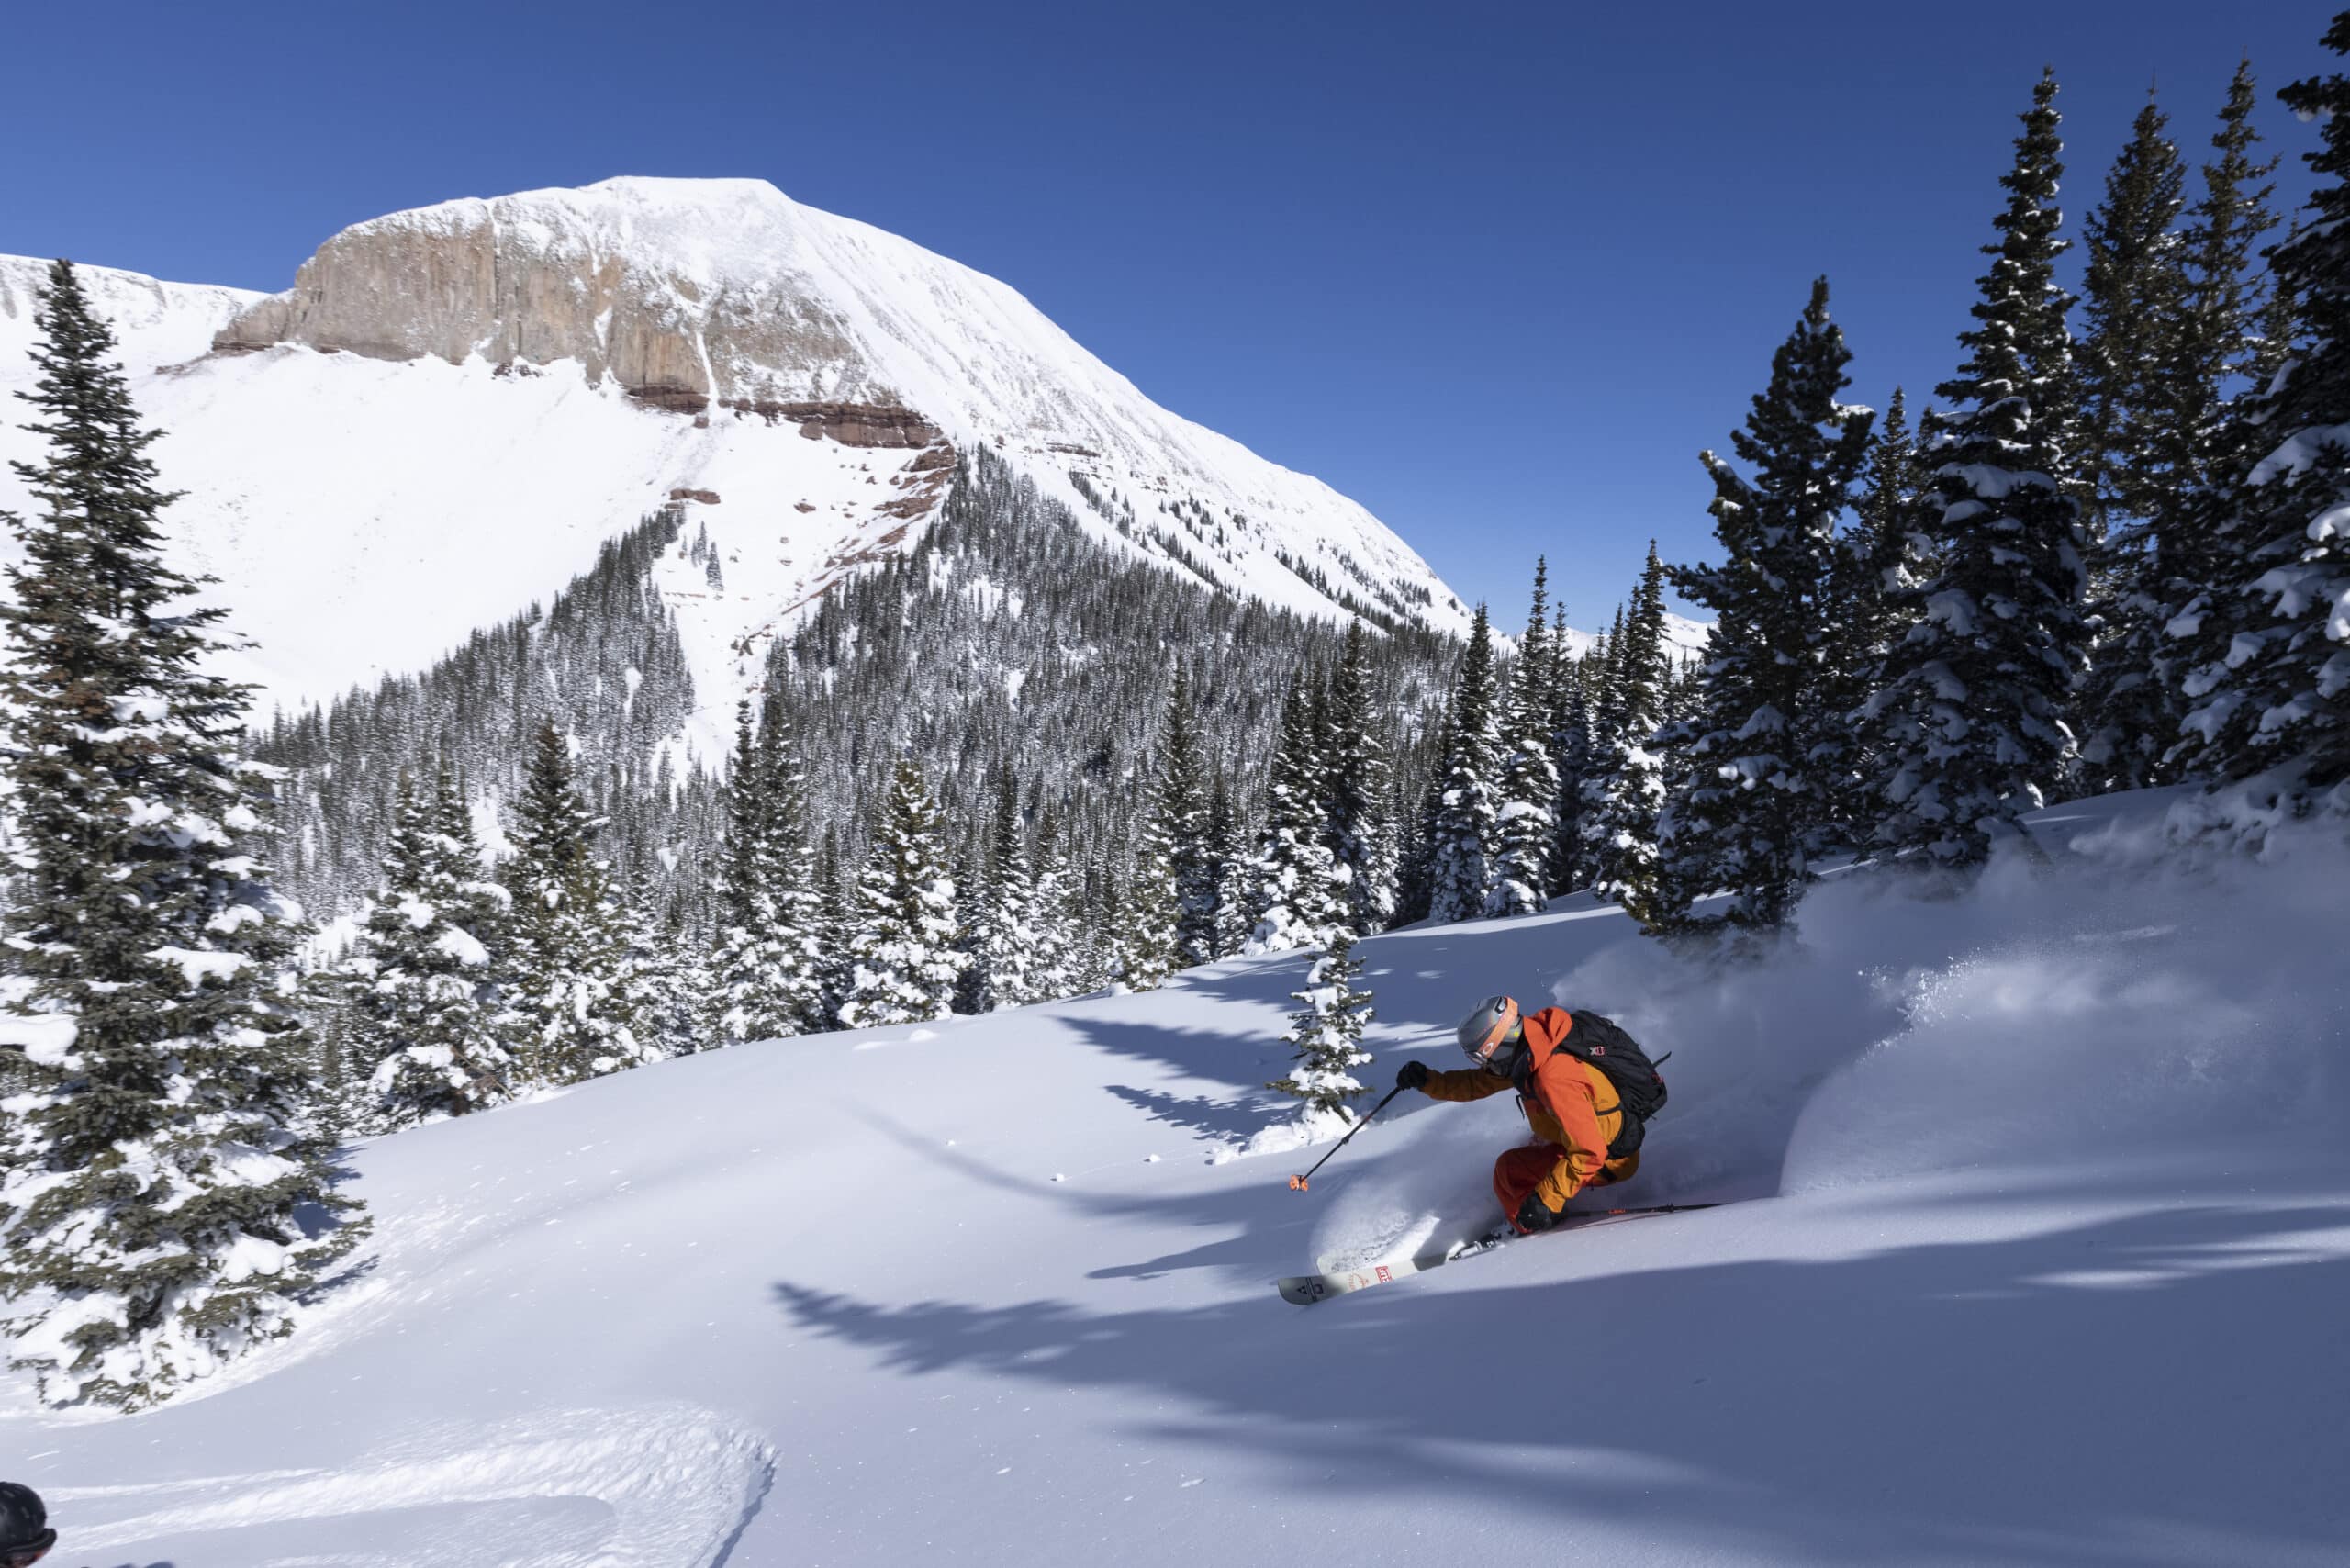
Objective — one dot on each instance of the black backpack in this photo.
(1602, 1042)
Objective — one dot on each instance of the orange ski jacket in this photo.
(1568, 1102)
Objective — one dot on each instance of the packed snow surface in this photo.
(2037, 1252)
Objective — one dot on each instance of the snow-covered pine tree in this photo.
(1225, 837)
(1299, 894)
(1879, 565)
(974, 914)
(1602, 677)
(1363, 828)
(1624, 841)
(566, 936)
(656, 1007)
(1526, 816)
(1570, 727)
(2135, 450)
(1749, 807)
(837, 911)
(749, 997)
(150, 1174)
(792, 876)
(1461, 836)
(904, 948)
(1326, 1036)
(1977, 692)
(2268, 662)
(1416, 817)
(2237, 328)
(2133, 305)
(1006, 960)
(1053, 972)
(1179, 804)
(1103, 934)
(420, 1012)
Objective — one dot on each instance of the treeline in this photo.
(2111, 557)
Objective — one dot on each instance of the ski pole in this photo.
(1297, 1183)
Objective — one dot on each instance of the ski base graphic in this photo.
(1304, 1289)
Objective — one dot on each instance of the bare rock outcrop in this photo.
(549, 276)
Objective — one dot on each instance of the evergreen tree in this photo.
(2236, 331)
(1977, 691)
(748, 997)
(656, 990)
(792, 872)
(1055, 969)
(1327, 1034)
(904, 948)
(2136, 451)
(837, 921)
(150, 1171)
(1879, 567)
(1172, 918)
(1526, 820)
(1571, 749)
(2268, 659)
(1006, 958)
(1623, 842)
(1363, 828)
(418, 983)
(1300, 891)
(1749, 806)
(1460, 838)
(1232, 873)
(2133, 301)
(567, 937)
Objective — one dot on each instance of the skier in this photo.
(1586, 1135)
(25, 1535)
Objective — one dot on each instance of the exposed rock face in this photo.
(501, 280)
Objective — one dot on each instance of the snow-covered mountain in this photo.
(453, 407)
(2039, 1235)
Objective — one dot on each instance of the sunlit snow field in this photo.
(2044, 1258)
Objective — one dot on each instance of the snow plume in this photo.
(2123, 1001)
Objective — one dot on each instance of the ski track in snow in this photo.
(662, 1488)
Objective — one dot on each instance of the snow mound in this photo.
(588, 1488)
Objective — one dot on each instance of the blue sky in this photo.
(1499, 270)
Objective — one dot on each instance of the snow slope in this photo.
(434, 429)
(2044, 1261)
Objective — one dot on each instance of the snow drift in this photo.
(2045, 1234)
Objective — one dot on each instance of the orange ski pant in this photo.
(1521, 1170)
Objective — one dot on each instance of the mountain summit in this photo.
(454, 406)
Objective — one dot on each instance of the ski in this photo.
(1304, 1289)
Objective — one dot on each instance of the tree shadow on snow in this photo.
(1234, 1116)
(2161, 1387)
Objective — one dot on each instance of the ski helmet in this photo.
(25, 1535)
(1491, 1035)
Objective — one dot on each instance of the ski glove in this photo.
(1411, 1075)
(1533, 1216)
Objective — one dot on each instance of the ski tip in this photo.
(1302, 1290)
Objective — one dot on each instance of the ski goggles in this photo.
(27, 1553)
